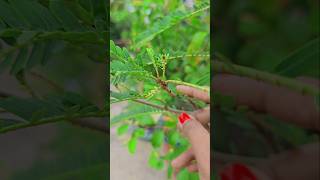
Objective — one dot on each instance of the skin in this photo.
(279, 102)
(197, 158)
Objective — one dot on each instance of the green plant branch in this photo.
(188, 55)
(220, 67)
(52, 120)
(174, 111)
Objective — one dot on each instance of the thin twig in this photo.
(175, 111)
(188, 55)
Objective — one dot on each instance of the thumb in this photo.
(199, 139)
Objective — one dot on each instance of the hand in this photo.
(197, 158)
(277, 101)
(285, 105)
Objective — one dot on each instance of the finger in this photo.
(192, 167)
(278, 101)
(199, 139)
(202, 115)
(182, 160)
(195, 93)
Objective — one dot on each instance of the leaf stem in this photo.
(188, 55)
(174, 111)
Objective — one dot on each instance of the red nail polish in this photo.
(184, 117)
(237, 171)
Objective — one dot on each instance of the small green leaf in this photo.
(157, 138)
(183, 175)
(7, 62)
(174, 138)
(170, 124)
(10, 16)
(37, 55)
(80, 12)
(139, 132)
(38, 115)
(146, 120)
(31, 12)
(153, 59)
(136, 111)
(122, 129)
(132, 145)
(21, 61)
(65, 17)
(155, 161)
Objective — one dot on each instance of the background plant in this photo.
(274, 42)
(45, 45)
(166, 43)
(250, 40)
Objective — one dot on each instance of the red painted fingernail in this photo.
(237, 172)
(183, 118)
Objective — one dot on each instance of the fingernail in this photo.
(184, 117)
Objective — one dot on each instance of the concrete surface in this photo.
(123, 165)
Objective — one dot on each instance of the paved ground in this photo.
(125, 165)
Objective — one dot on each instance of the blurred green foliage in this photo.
(281, 37)
(51, 47)
(260, 34)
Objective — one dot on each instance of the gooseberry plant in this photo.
(145, 74)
